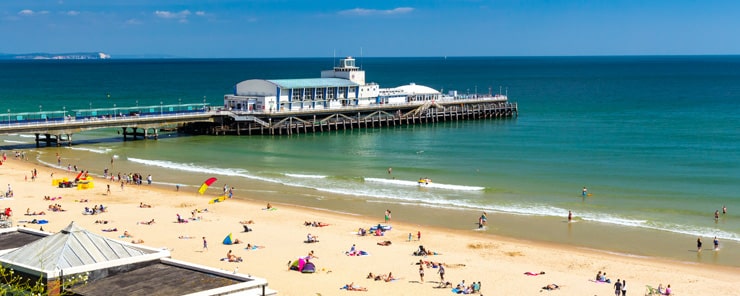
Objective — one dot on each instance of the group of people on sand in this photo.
(315, 224)
(462, 288)
(601, 277)
(664, 290)
(56, 208)
(94, 210)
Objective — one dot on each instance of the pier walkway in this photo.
(56, 127)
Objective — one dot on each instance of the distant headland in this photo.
(57, 56)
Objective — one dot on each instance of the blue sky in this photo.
(260, 28)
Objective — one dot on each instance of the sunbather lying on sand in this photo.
(444, 285)
(551, 287)
(253, 247)
(352, 287)
(137, 241)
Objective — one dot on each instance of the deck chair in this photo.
(650, 291)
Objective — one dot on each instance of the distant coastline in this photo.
(57, 56)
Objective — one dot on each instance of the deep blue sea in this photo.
(656, 139)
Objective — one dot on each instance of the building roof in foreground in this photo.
(156, 279)
(71, 247)
(17, 238)
(313, 82)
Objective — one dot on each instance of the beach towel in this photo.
(358, 253)
(534, 273)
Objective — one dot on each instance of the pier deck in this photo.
(319, 120)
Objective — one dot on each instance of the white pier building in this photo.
(344, 86)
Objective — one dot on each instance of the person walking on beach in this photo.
(618, 288)
(107, 192)
(441, 271)
(421, 273)
(624, 288)
(698, 245)
(205, 244)
(410, 236)
(387, 216)
(418, 235)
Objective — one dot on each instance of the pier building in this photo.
(343, 86)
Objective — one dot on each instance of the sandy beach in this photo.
(499, 263)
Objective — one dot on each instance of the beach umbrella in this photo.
(205, 185)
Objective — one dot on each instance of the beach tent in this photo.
(309, 268)
(228, 240)
(299, 264)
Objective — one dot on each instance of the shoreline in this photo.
(497, 261)
(639, 241)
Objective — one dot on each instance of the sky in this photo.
(376, 28)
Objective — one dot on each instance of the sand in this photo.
(499, 263)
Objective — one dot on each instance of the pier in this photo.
(56, 128)
(311, 121)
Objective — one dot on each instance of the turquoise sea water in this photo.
(655, 139)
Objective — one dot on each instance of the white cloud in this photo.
(133, 22)
(28, 12)
(365, 11)
(72, 13)
(181, 15)
(200, 13)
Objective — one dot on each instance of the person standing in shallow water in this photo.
(698, 244)
(570, 216)
(716, 243)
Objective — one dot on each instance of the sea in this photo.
(654, 139)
